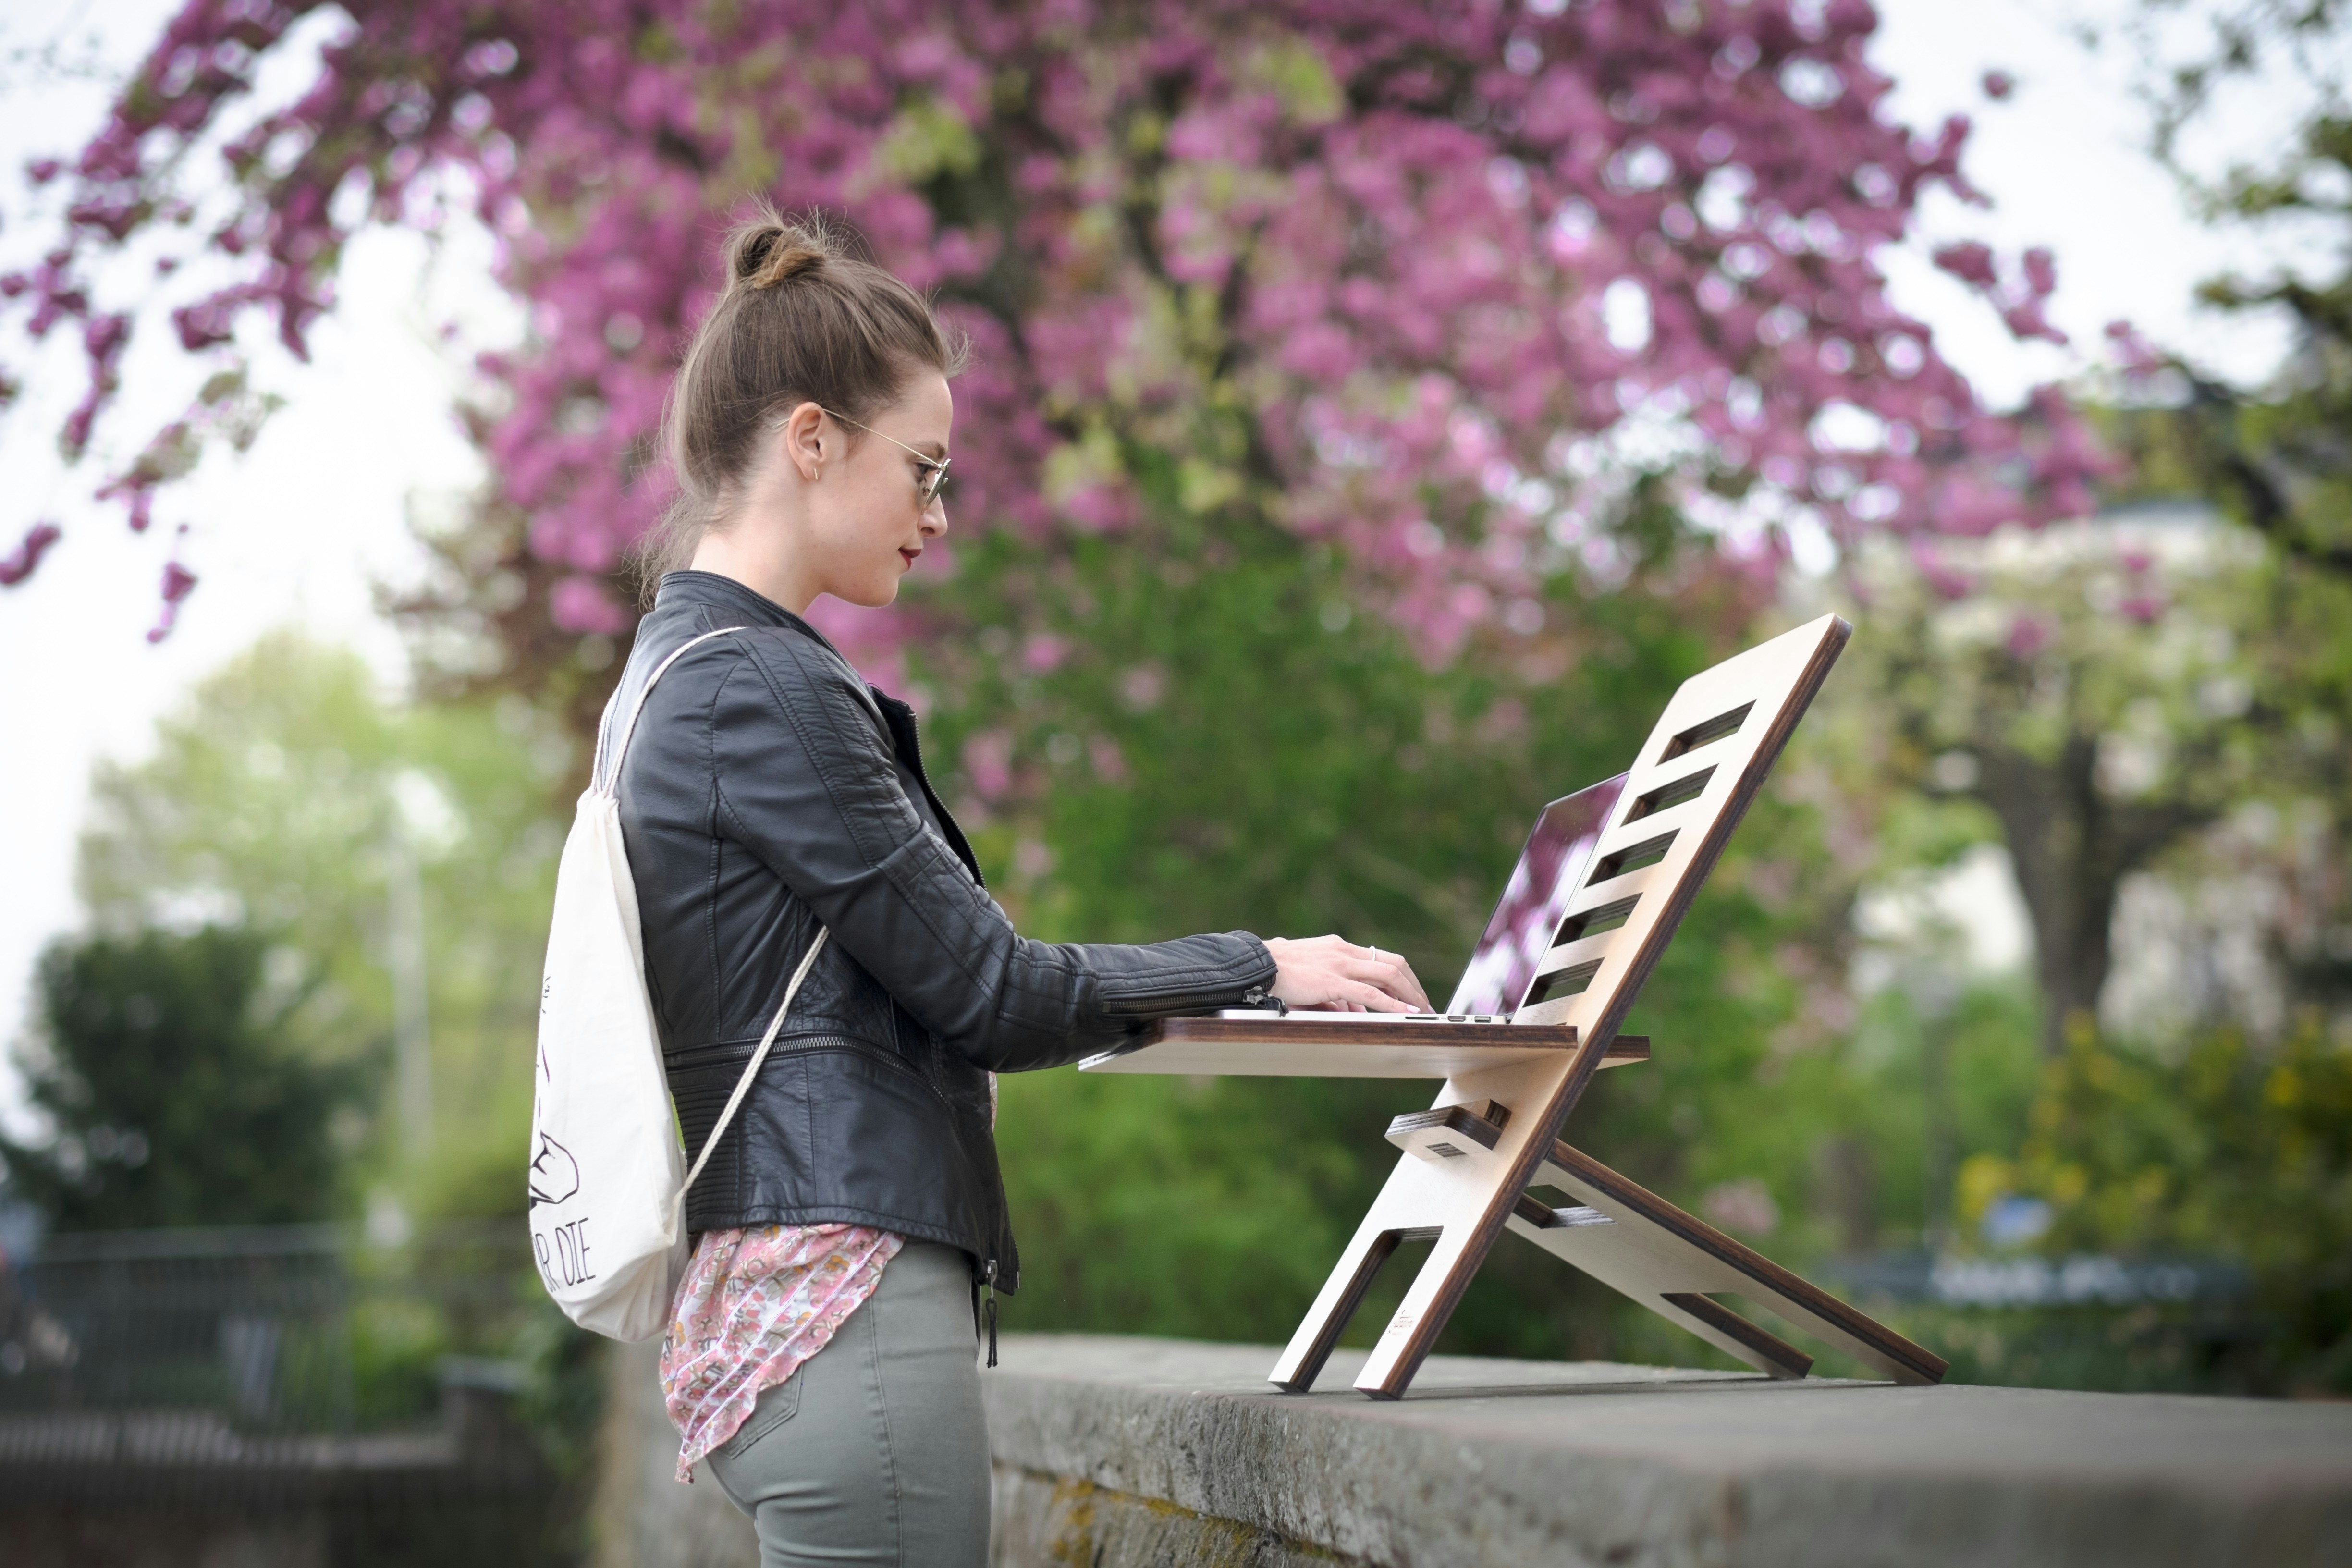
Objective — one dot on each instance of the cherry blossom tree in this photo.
(1410, 279)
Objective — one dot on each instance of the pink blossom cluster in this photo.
(1411, 253)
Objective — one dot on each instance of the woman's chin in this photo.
(874, 595)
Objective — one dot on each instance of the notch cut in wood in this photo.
(1667, 796)
(1722, 727)
(1543, 1216)
(1450, 1131)
(1633, 857)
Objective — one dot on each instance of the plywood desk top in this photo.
(1342, 1048)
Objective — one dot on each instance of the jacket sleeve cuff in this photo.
(1190, 974)
(1263, 968)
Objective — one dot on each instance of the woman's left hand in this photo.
(1330, 972)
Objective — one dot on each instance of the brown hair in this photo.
(802, 318)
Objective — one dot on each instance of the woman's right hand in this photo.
(1331, 973)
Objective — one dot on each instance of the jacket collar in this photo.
(736, 604)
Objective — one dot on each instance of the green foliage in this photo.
(179, 1093)
(1209, 735)
(2146, 1348)
(1212, 739)
(1209, 1209)
(1198, 751)
(280, 801)
(2100, 698)
(564, 1372)
(2229, 1150)
(396, 1343)
(2274, 457)
(2218, 697)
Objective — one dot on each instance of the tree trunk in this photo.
(2072, 849)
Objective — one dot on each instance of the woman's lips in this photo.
(909, 555)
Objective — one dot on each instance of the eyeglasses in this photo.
(935, 470)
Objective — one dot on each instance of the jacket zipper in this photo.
(890, 1060)
(1129, 1001)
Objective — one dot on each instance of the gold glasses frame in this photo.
(935, 470)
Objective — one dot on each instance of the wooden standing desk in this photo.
(1470, 1161)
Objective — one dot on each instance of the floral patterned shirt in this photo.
(754, 1304)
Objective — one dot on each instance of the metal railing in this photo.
(290, 1360)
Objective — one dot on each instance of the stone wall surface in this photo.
(1137, 1453)
(1121, 1452)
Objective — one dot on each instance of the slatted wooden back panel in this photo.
(1687, 790)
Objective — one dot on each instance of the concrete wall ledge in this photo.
(1123, 1452)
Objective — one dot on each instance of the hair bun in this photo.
(773, 253)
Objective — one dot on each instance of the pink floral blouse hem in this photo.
(755, 1305)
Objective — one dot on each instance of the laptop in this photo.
(1523, 928)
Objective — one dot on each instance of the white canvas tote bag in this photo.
(608, 1180)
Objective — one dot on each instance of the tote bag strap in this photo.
(629, 724)
(743, 1084)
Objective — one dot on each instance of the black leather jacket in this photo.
(767, 789)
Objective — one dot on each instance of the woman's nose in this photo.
(935, 520)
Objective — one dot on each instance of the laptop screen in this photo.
(1521, 932)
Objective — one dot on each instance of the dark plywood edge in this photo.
(1346, 1032)
(1481, 1125)
(1421, 1339)
(1569, 1216)
(1584, 1168)
(1310, 1366)
(1338, 1032)
(1751, 782)
(1787, 1359)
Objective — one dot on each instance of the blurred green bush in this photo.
(2222, 1149)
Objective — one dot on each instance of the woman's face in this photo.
(868, 522)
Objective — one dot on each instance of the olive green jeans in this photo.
(875, 1450)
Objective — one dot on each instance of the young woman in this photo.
(822, 1348)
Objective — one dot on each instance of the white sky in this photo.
(302, 528)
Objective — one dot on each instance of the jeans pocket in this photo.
(778, 1403)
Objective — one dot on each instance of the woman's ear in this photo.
(800, 441)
